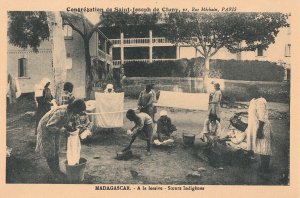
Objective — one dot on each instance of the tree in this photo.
(209, 32)
(29, 29)
(79, 23)
(125, 21)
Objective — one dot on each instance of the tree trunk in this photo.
(206, 74)
(88, 70)
(58, 52)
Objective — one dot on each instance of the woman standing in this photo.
(11, 90)
(50, 129)
(215, 102)
(259, 129)
(43, 98)
(146, 100)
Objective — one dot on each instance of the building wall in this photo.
(76, 74)
(39, 65)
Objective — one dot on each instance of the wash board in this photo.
(195, 101)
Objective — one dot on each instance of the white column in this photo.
(105, 46)
(285, 73)
(150, 46)
(177, 52)
(110, 50)
(122, 48)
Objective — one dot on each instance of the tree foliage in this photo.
(27, 29)
(124, 21)
(208, 32)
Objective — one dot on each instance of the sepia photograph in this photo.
(127, 97)
(140, 97)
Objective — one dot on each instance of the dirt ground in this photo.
(163, 166)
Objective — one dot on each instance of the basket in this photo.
(188, 139)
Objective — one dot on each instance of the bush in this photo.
(225, 69)
(248, 70)
(156, 69)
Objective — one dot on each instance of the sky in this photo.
(93, 17)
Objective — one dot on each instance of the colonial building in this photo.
(29, 67)
(155, 47)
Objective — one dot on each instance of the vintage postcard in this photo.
(156, 98)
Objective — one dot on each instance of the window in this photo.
(260, 51)
(22, 64)
(287, 50)
(67, 31)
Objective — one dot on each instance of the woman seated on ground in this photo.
(164, 126)
(236, 139)
(211, 128)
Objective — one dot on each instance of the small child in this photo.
(164, 126)
(84, 125)
(67, 96)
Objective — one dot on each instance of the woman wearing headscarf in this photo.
(109, 88)
(51, 127)
(259, 129)
(11, 90)
(43, 98)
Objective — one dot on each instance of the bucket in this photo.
(75, 173)
(188, 139)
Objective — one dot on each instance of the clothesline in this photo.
(100, 113)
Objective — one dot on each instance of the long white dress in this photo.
(258, 111)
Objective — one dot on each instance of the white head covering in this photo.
(163, 113)
(109, 86)
(44, 81)
(38, 89)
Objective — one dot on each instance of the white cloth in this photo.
(54, 106)
(73, 148)
(85, 134)
(163, 113)
(258, 111)
(165, 143)
(19, 91)
(237, 139)
(196, 101)
(39, 88)
(110, 108)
